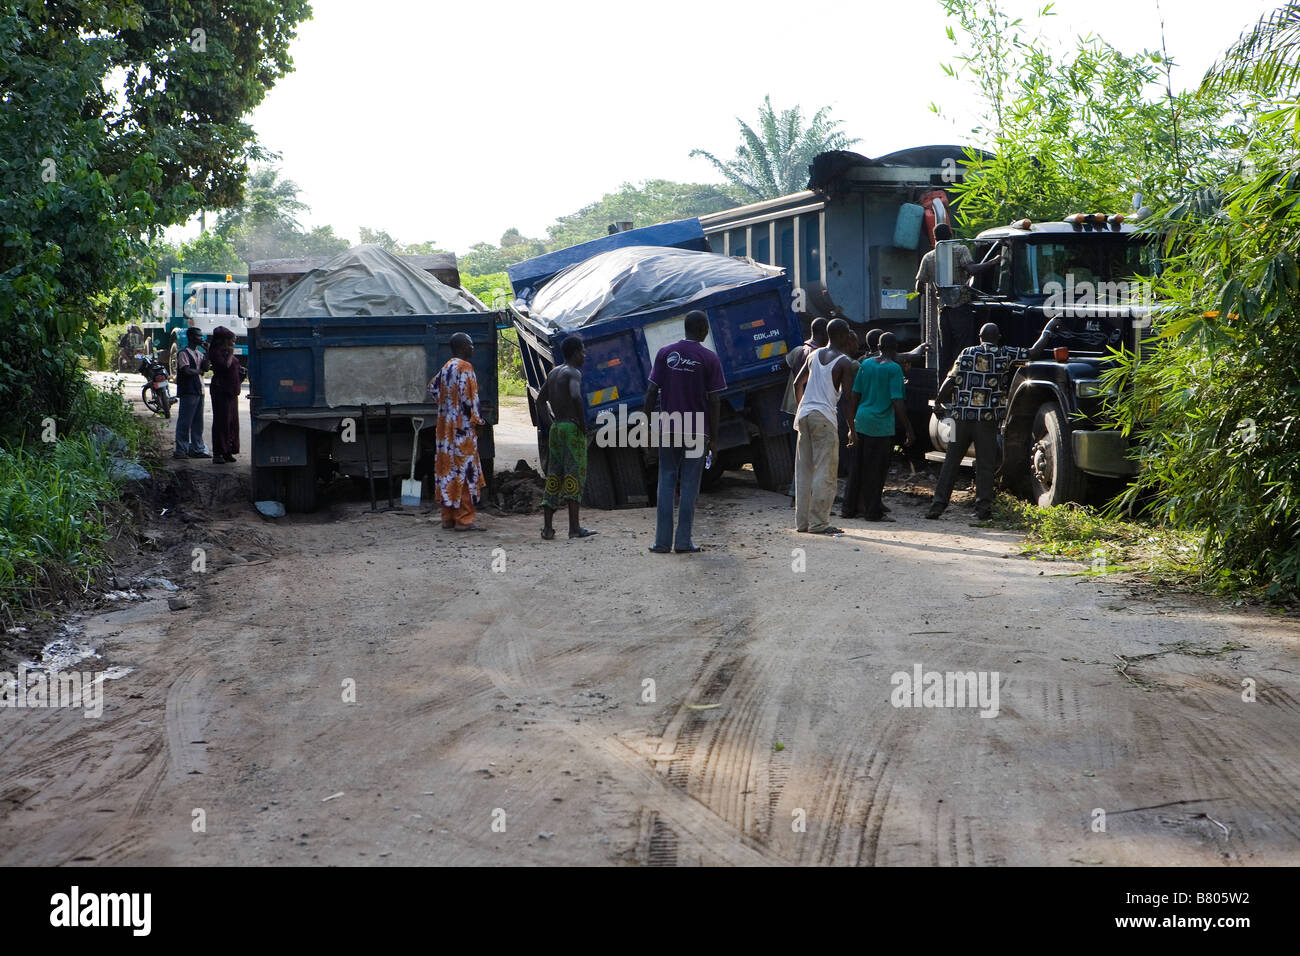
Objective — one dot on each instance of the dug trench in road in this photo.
(379, 691)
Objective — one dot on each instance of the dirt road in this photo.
(519, 701)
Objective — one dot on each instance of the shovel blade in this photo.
(411, 493)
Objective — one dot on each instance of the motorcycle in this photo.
(156, 393)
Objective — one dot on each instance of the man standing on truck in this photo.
(826, 376)
(941, 323)
(560, 410)
(686, 381)
(458, 475)
(978, 383)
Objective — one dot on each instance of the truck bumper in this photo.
(1103, 452)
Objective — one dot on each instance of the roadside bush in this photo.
(53, 523)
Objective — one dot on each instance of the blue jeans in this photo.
(189, 425)
(675, 464)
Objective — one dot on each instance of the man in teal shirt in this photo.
(878, 397)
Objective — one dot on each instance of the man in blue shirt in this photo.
(878, 397)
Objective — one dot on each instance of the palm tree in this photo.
(776, 162)
(270, 203)
(1265, 59)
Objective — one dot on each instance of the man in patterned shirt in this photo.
(978, 384)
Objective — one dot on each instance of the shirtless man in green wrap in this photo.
(561, 411)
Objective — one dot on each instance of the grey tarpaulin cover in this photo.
(366, 280)
(636, 279)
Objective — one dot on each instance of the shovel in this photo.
(413, 490)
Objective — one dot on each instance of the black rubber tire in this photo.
(300, 486)
(712, 476)
(543, 452)
(172, 357)
(166, 402)
(151, 403)
(1053, 477)
(265, 483)
(773, 462)
(629, 475)
(599, 492)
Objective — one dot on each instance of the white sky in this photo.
(454, 121)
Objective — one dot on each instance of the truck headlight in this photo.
(1091, 388)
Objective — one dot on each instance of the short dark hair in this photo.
(888, 343)
(570, 347)
(818, 329)
(697, 325)
(942, 232)
(873, 339)
(838, 329)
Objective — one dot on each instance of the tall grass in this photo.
(53, 523)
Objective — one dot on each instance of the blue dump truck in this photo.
(752, 327)
(337, 394)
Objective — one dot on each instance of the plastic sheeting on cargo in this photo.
(367, 280)
(637, 279)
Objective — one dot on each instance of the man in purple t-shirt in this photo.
(687, 384)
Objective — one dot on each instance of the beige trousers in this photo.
(816, 470)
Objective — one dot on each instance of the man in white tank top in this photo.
(817, 455)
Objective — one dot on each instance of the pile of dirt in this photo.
(519, 492)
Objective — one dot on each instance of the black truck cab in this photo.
(1092, 272)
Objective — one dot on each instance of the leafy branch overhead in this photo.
(773, 160)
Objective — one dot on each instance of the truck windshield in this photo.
(1087, 257)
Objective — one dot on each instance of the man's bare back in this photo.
(562, 391)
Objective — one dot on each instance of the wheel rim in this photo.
(1041, 465)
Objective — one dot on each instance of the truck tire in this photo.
(712, 476)
(773, 461)
(1053, 477)
(599, 492)
(172, 357)
(543, 453)
(300, 485)
(264, 483)
(628, 471)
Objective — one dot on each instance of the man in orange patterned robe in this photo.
(458, 474)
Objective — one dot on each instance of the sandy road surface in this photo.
(520, 695)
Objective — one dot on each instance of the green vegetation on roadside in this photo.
(56, 502)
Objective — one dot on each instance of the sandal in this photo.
(582, 533)
(468, 527)
(693, 549)
(654, 550)
(548, 534)
(830, 530)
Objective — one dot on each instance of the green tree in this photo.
(1078, 131)
(1213, 403)
(652, 201)
(209, 252)
(116, 119)
(381, 238)
(774, 160)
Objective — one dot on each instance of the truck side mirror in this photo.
(945, 264)
(945, 272)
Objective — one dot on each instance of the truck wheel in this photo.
(172, 357)
(300, 485)
(599, 492)
(264, 483)
(773, 461)
(628, 472)
(1053, 477)
(712, 476)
